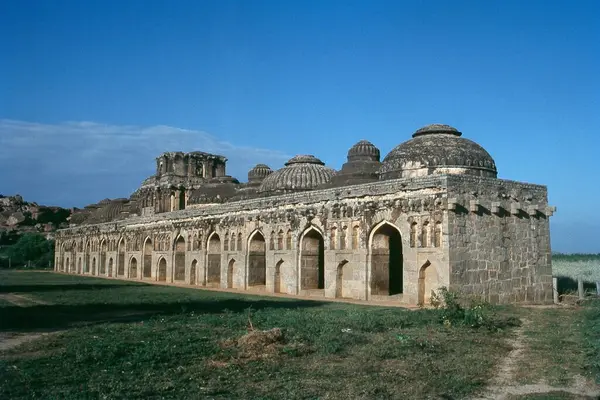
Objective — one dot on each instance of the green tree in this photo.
(32, 249)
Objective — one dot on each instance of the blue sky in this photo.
(92, 91)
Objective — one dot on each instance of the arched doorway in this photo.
(67, 265)
(180, 259)
(213, 269)
(277, 278)
(133, 268)
(193, 272)
(110, 267)
(230, 272)
(312, 261)
(428, 281)
(386, 261)
(103, 249)
(121, 258)
(162, 270)
(93, 266)
(88, 252)
(341, 280)
(79, 265)
(147, 259)
(257, 263)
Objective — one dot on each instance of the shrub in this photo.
(456, 309)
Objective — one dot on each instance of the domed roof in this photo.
(362, 166)
(302, 172)
(258, 173)
(363, 150)
(437, 149)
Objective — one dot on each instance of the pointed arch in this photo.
(280, 240)
(428, 281)
(277, 281)
(161, 273)
(121, 248)
(386, 260)
(133, 268)
(355, 237)
(343, 234)
(437, 235)
(103, 249)
(239, 241)
(230, 273)
(213, 260)
(147, 250)
(272, 241)
(179, 246)
(88, 254)
(110, 267)
(257, 262)
(413, 234)
(425, 234)
(342, 275)
(333, 238)
(312, 259)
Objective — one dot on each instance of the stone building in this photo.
(433, 213)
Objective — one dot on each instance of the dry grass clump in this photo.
(257, 344)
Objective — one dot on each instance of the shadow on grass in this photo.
(58, 317)
(62, 287)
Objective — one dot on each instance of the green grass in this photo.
(132, 340)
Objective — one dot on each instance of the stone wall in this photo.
(390, 240)
(499, 239)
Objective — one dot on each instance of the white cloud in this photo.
(80, 162)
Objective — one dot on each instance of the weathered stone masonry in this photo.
(394, 233)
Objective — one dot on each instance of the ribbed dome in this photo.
(363, 150)
(362, 166)
(302, 172)
(258, 173)
(437, 149)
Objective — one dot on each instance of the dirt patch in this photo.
(257, 344)
(20, 300)
(10, 340)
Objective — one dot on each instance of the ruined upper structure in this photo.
(432, 214)
(197, 179)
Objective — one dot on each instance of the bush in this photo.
(31, 250)
(457, 310)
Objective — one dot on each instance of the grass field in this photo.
(118, 339)
(574, 266)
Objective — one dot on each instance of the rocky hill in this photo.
(18, 215)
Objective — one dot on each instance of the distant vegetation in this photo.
(25, 250)
(574, 266)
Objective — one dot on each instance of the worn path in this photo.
(9, 340)
(503, 385)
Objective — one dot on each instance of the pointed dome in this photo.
(302, 172)
(258, 173)
(437, 149)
